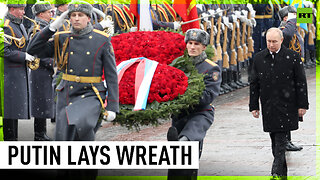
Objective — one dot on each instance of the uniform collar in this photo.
(83, 31)
(199, 59)
(14, 19)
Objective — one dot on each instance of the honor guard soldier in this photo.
(292, 40)
(193, 126)
(82, 54)
(41, 92)
(16, 90)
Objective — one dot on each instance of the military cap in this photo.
(80, 6)
(283, 12)
(16, 3)
(40, 6)
(197, 35)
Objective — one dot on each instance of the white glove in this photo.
(215, 31)
(133, 29)
(201, 26)
(176, 25)
(253, 22)
(291, 16)
(205, 15)
(237, 24)
(249, 6)
(106, 23)
(225, 20)
(237, 13)
(209, 25)
(243, 19)
(211, 11)
(58, 22)
(111, 116)
(219, 11)
(29, 57)
(253, 13)
(222, 27)
(248, 22)
(234, 18)
(245, 13)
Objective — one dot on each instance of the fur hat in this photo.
(80, 6)
(40, 6)
(16, 3)
(283, 12)
(197, 35)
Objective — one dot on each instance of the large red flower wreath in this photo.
(167, 83)
(160, 46)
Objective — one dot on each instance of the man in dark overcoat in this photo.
(193, 126)
(16, 90)
(41, 93)
(279, 81)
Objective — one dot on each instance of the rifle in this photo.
(233, 58)
(239, 47)
(225, 61)
(219, 51)
(249, 39)
(244, 46)
(215, 57)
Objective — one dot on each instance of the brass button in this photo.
(71, 53)
(90, 37)
(71, 70)
(82, 96)
(86, 70)
(85, 87)
(71, 37)
(71, 87)
(78, 79)
(88, 53)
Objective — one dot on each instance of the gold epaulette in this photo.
(6, 23)
(211, 62)
(101, 32)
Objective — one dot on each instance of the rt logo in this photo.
(304, 15)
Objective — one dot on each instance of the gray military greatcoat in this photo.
(41, 92)
(16, 100)
(78, 107)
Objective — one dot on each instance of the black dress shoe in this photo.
(291, 147)
(41, 137)
(172, 134)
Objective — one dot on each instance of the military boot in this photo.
(230, 81)
(40, 130)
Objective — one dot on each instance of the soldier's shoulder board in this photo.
(101, 32)
(6, 23)
(211, 62)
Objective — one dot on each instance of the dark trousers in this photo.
(278, 143)
(10, 129)
(289, 135)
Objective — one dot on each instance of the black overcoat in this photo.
(281, 86)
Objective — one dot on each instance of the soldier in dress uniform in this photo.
(193, 127)
(292, 40)
(82, 54)
(16, 89)
(89, 52)
(41, 93)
